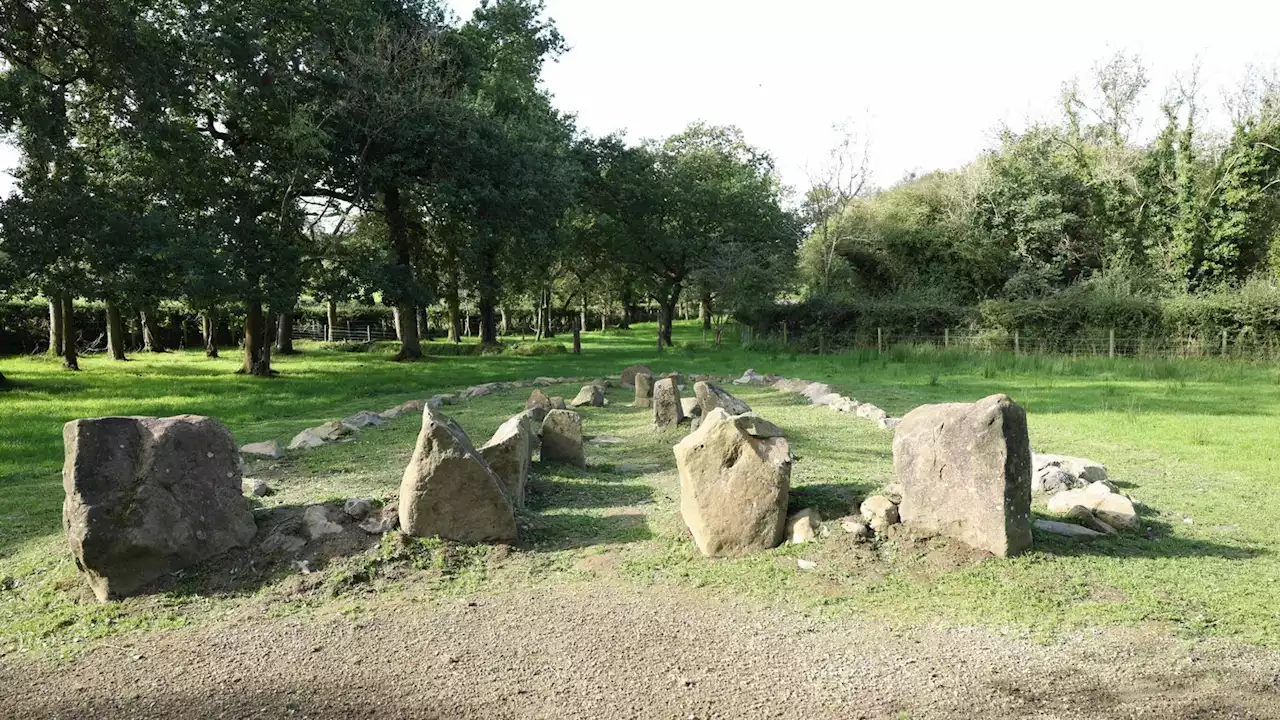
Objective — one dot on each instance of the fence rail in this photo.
(1244, 345)
(346, 332)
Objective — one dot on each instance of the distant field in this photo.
(1196, 442)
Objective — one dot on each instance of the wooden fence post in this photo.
(1017, 343)
(1111, 343)
(879, 340)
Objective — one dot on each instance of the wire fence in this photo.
(345, 332)
(1245, 345)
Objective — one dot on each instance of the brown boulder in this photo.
(147, 496)
(562, 438)
(667, 410)
(449, 490)
(965, 470)
(644, 390)
(711, 396)
(628, 378)
(733, 487)
(509, 453)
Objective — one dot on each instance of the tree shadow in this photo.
(1155, 539)
(568, 531)
(546, 493)
(831, 500)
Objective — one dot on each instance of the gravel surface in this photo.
(605, 651)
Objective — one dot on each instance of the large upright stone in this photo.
(562, 438)
(733, 487)
(628, 378)
(667, 411)
(448, 490)
(147, 496)
(509, 453)
(644, 390)
(965, 470)
(711, 396)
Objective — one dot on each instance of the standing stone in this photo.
(733, 487)
(689, 407)
(628, 378)
(667, 411)
(448, 490)
(562, 438)
(591, 395)
(147, 496)
(644, 390)
(557, 403)
(711, 396)
(508, 454)
(539, 400)
(965, 470)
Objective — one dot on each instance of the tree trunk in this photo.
(115, 332)
(55, 326)
(211, 333)
(420, 318)
(257, 345)
(667, 314)
(506, 324)
(488, 321)
(604, 319)
(69, 360)
(395, 320)
(704, 312)
(537, 321)
(284, 334)
(577, 341)
(546, 314)
(151, 341)
(398, 229)
(455, 313)
(466, 325)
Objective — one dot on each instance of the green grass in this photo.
(1195, 442)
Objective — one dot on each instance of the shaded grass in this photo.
(1195, 442)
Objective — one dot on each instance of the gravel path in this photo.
(605, 651)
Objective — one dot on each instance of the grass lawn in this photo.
(1197, 443)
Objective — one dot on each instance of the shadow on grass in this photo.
(831, 500)
(546, 493)
(1156, 539)
(568, 531)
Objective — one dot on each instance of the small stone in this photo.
(806, 564)
(1117, 511)
(316, 520)
(361, 420)
(871, 412)
(267, 449)
(258, 487)
(304, 440)
(855, 527)
(357, 508)
(802, 526)
(1066, 529)
(1086, 518)
(828, 399)
(893, 492)
(591, 395)
(282, 542)
(879, 512)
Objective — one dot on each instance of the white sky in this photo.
(927, 82)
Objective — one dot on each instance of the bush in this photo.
(535, 348)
